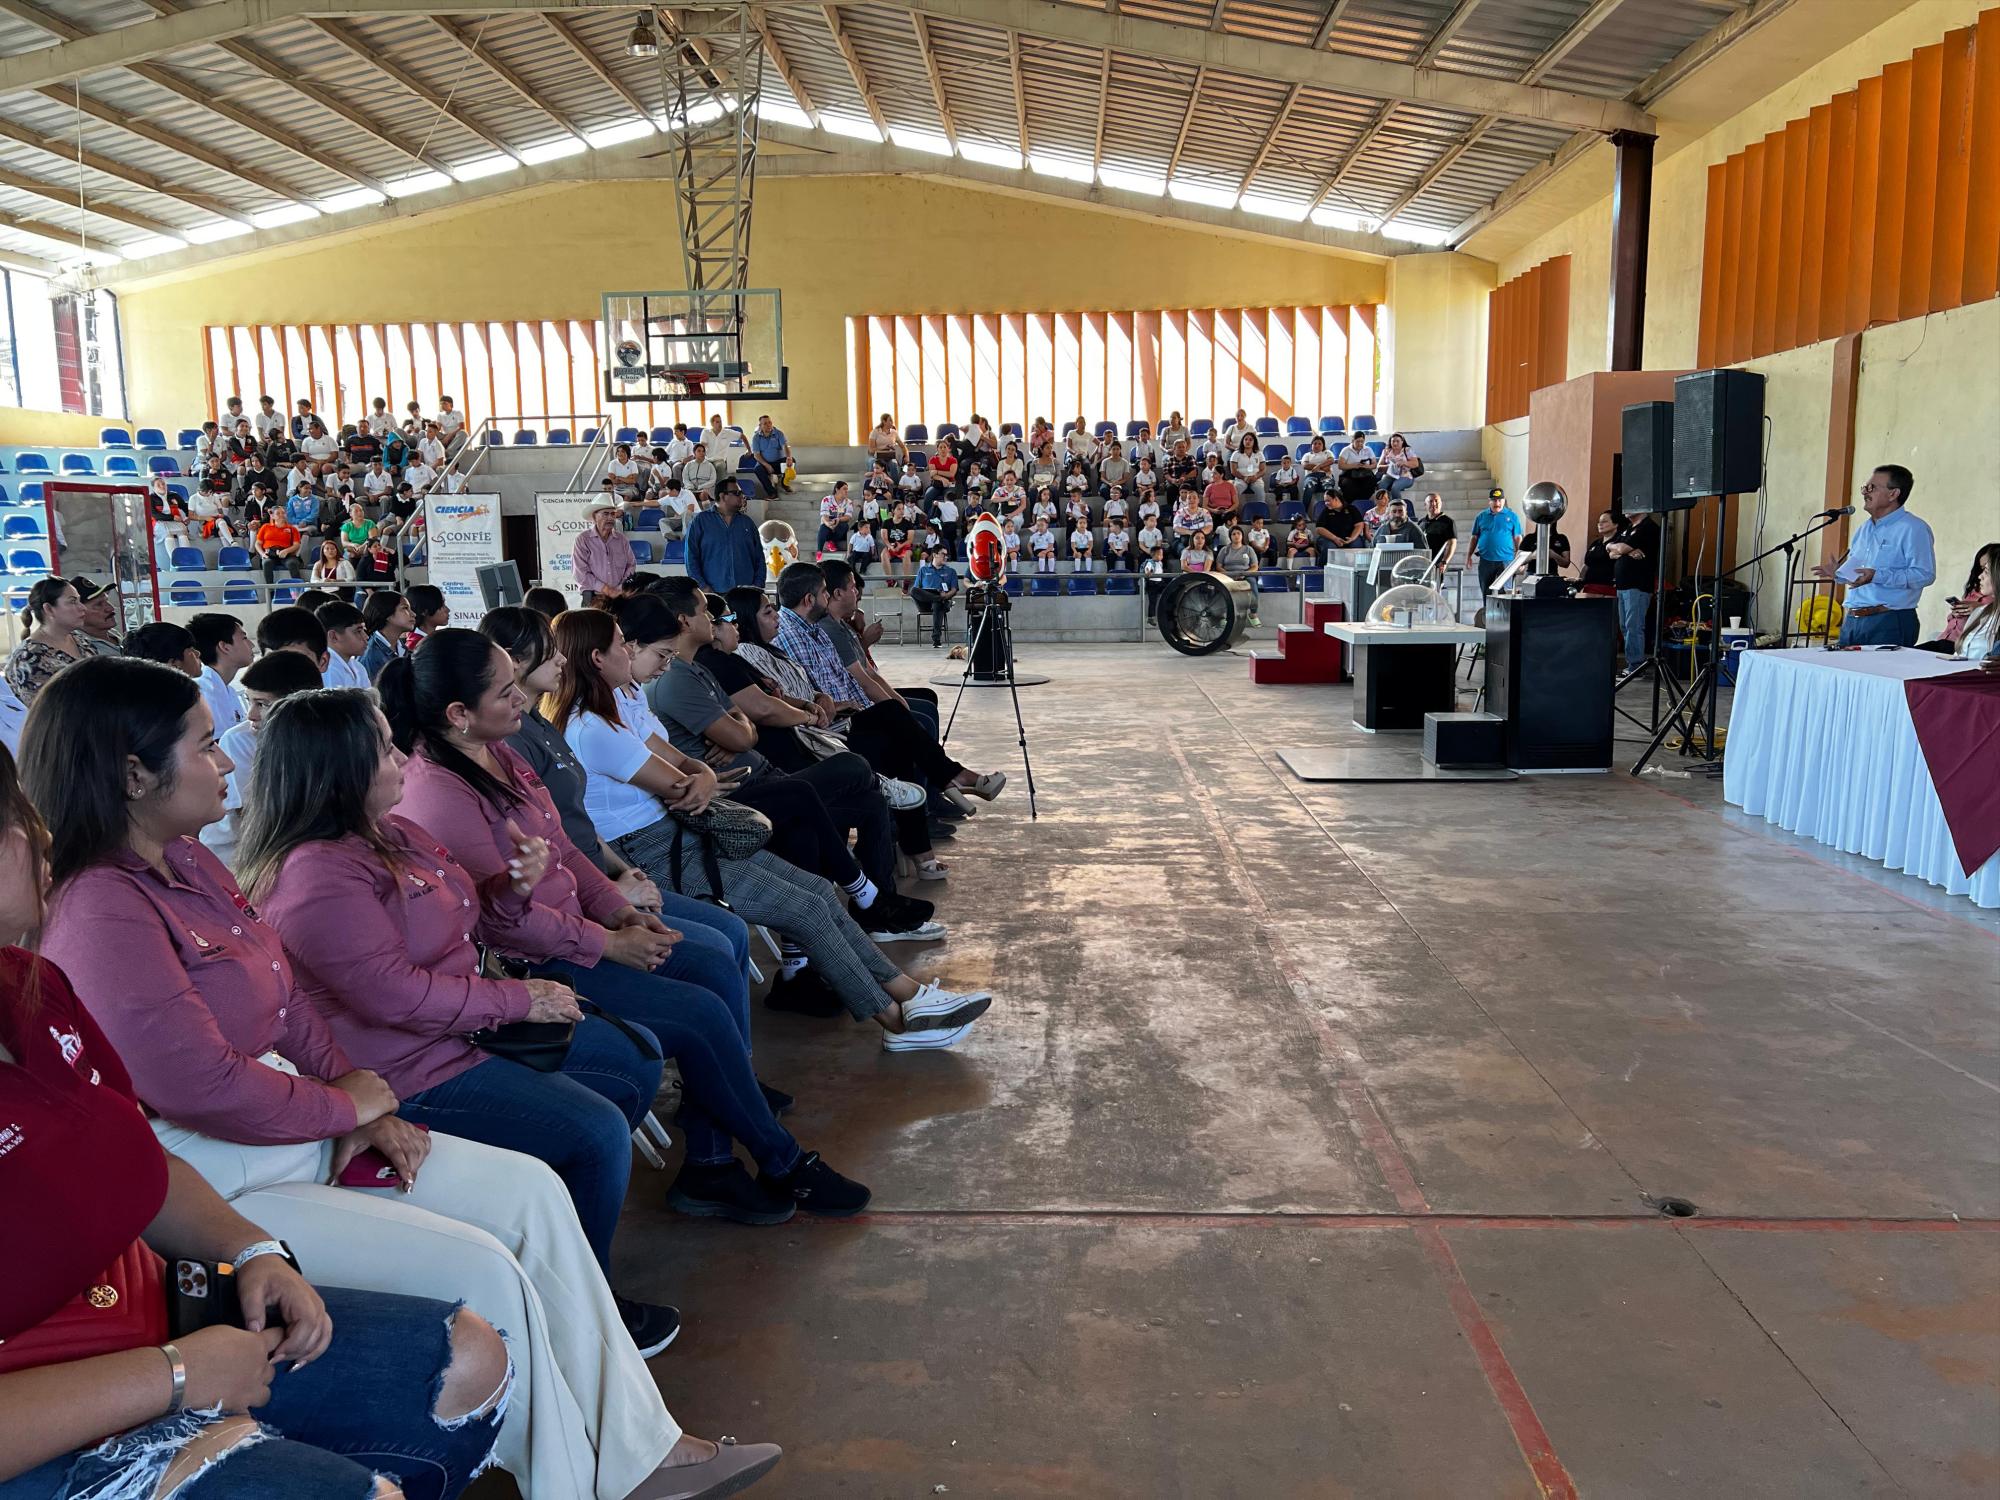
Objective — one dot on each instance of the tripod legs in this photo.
(992, 618)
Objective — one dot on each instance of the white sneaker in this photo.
(902, 796)
(934, 1008)
(924, 1041)
(987, 787)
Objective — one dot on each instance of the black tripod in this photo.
(994, 633)
(1649, 665)
(1694, 712)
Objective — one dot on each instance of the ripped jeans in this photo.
(364, 1407)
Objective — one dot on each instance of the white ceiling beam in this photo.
(587, 55)
(804, 153)
(358, 48)
(65, 195)
(783, 64)
(119, 119)
(1706, 49)
(1441, 38)
(1335, 13)
(1521, 187)
(854, 68)
(1224, 53)
(69, 154)
(201, 98)
(467, 38)
(270, 68)
(1270, 137)
(1187, 121)
(1020, 91)
(1347, 162)
(923, 30)
(1570, 40)
(60, 27)
(54, 232)
(1442, 165)
(1103, 101)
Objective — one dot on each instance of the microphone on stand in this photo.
(1830, 515)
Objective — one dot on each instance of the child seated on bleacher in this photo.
(1150, 536)
(861, 547)
(1079, 548)
(1010, 538)
(911, 485)
(1116, 507)
(1145, 478)
(1042, 542)
(1076, 510)
(1044, 508)
(1300, 547)
(1149, 509)
(1287, 479)
(1009, 499)
(877, 485)
(898, 544)
(1259, 539)
(1195, 556)
(1118, 546)
(1155, 565)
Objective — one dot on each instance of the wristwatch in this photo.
(266, 1247)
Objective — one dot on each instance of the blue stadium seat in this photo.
(493, 438)
(240, 591)
(27, 525)
(524, 439)
(1010, 429)
(31, 494)
(1043, 584)
(589, 435)
(626, 435)
(1080, 583)
(179, 492)
(642, 550)
(123, 465)
(151, 438)
(674, 550)
(1200, 427)
(1291, 510)
(1374, 448)
(945, 430)
(1332, 426)
(187, 560)
(186, 594)
(748, 484)
(916, 432)
(1364, 423)
(32, 463)
(1121, 583)
(1298, 427)
(1132, 429)
(114, 437)
(3, 463)
(1312, 580)
(663, 434)
(160, 463)
(1273, 583)
(651, 518)
(187, 437)
(78, 463)
(1255, 510)
(287, 593)
(27, 561)
(233, 559)
(1268, 427)
(1105, 430)
(1012, 584)
(3, 495)
(558, 437)
(1274, 453)
(1302, 449)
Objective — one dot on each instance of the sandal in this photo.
(931, 869)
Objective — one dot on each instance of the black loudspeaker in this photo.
(1647, 471)
(1718, 434)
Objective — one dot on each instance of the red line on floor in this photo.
(1181, 1219)
(1345, 1054)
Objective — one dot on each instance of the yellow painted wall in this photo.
(61, 429)
(837, 247)
(1435, 371)
(1929, 387)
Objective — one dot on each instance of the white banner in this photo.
(560, 518)
(461, 535)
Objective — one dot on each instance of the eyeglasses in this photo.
(726, 619)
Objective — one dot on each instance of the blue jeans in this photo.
(1896, 627)
(580, 1120)
(710, 1040)
(1397, 486)
(1632, 605)
(361, 1408)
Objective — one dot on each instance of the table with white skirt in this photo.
(1821, 743)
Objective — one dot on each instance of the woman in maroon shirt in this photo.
(92, 1393)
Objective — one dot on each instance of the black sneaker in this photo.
(939, 830)
(818, 1189)
(779, 1101)
(727, 1192)
(653, 1325)
(804, 994)
(890, 920)
(893, 909)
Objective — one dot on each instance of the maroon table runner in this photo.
(1958, 726)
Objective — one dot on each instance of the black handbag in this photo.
(542, 1045)
(733, 830)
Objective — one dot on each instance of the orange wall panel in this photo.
(1982, 215)
(1527, 337)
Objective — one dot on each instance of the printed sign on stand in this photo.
(560, 518)
(461, 535)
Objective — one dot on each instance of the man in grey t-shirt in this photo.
(688, 699)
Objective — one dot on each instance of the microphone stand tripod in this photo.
(1694, 711)
(1649, 665)
(993, 616)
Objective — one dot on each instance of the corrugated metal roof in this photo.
(414, 88)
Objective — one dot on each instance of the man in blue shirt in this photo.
(770, 452)
(937, 582)
(1496, 534)
(1889, 563)
(723, 548)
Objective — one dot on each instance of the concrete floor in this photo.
(1308, 1150)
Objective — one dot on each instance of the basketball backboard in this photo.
(693, 345)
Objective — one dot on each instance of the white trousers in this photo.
(496, 1230)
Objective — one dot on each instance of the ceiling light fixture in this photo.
(643, 44)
